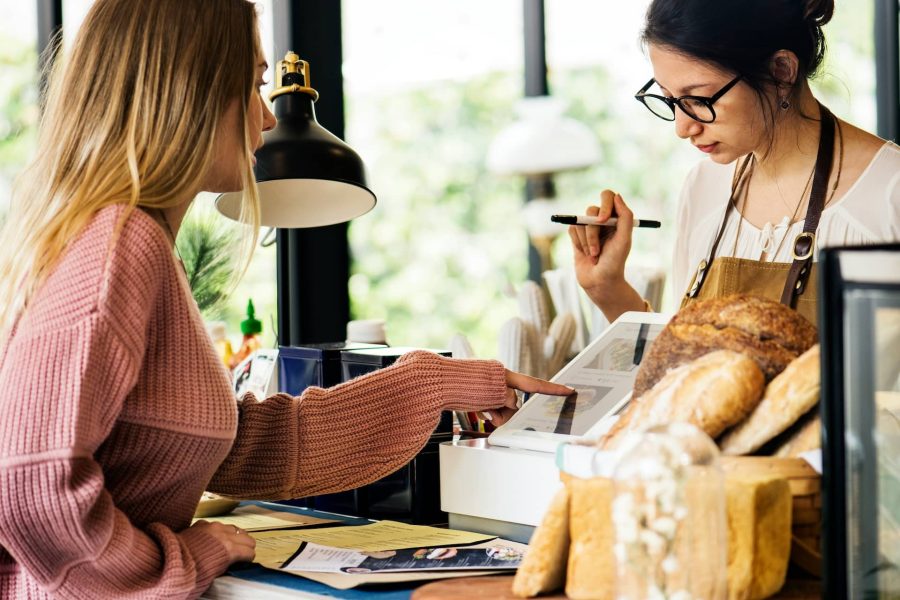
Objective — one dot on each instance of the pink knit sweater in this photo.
(116, 414)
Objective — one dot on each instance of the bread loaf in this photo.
(758, 510)
(788, 397)
(591, 573)
(770, 333)
(806, 436)
(712, 393)
(544, 567)
(759, 534)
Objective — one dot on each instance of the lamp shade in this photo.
(307, 176)
(543, 140)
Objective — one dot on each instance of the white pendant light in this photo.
(543, 140)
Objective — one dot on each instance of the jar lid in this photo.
(369, 331)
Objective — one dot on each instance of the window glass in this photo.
(18, 92)
(427, 85)
(846, 83)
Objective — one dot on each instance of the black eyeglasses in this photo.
(699, 108)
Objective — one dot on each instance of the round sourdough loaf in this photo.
(769, 332)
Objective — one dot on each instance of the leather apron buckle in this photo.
(698, 279)
(804, 244)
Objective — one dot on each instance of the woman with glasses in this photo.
(783, 176)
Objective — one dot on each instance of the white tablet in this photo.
(603, 375)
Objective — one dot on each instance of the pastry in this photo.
(712, 392)
(770, 333)
(544, 567)
(788, 397)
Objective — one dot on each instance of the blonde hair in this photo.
(131, 119)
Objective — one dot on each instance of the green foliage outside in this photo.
(18, 112)
(438, 252)
(445, 246)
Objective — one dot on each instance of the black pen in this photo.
(610, 222)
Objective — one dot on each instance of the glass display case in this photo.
(859, 316)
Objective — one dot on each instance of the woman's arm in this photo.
(339, 438)
(62, 391)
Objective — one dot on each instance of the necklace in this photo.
(802, 193)
(793, 219)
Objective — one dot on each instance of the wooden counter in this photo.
(499, 588)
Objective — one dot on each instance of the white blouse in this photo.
(868, 213)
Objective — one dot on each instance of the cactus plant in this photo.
(530, 343)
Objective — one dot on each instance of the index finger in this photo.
(526, 383)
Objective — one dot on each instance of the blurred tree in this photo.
(18, 111)
(442, 246)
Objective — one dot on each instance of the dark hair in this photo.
(740, 36)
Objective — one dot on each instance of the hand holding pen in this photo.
(610, 222)
(600, 252)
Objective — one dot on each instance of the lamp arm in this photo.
(269, 238)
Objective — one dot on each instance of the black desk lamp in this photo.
(307, 176)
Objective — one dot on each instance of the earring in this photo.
(785, 104)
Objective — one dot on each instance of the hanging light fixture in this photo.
(542, 141)
(307, 177)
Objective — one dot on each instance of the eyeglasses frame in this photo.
(708, 101)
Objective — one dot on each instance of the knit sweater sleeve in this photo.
(62, 389)
(328, 440)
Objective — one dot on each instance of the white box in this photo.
(496, 490)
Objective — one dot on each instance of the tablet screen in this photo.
(603, 376)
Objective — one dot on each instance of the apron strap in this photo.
(704, 265)
(805, 242)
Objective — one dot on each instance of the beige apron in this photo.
(728, 276)
(793, 284)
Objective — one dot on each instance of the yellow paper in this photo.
(257, 518)
(275, 547)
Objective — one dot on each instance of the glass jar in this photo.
(668, 514)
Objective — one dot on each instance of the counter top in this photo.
(499, 588)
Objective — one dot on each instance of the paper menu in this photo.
(492, 555)
(273, 548)
(253, 517)
(276, 546)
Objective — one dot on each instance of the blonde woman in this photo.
(115, 413)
